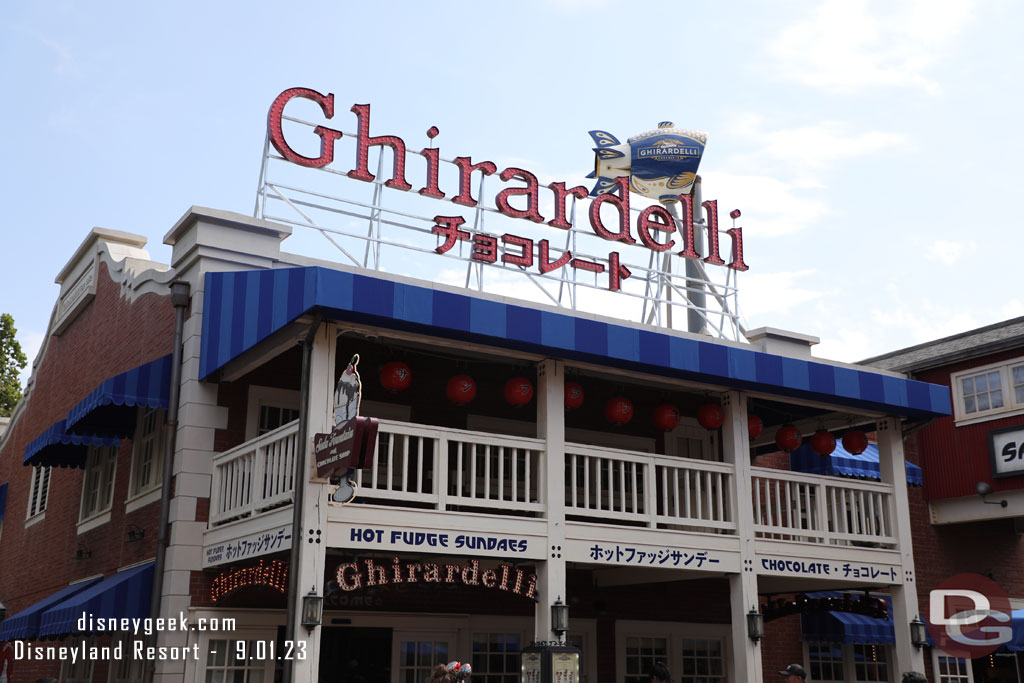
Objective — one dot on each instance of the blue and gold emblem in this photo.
(660, 164)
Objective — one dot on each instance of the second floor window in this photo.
(989, 391)
(98, 481)
(39, 490)
(148, 452)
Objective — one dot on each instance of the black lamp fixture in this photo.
(755, 625)
(135, 533)
(984, 488)
(82, 552)
(559, 617)
(918, 633)
(312, 609)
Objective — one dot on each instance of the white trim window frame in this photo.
(128, 669)
(883, 660)
(696, 652)
(98, 481)
(975, 393)
(79, 671)
(428, 649)
(947, 669)
(272, 398)
(221, 662)
(147, 453)
(39, 491)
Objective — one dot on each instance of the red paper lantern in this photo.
(822, 442)
(573, 395)
(710, 416)
(395, 376)
(461, 389)
(518, 391)
(854, 442)
(618, 410)
(755, 427)
(788, 438)
(666, 417)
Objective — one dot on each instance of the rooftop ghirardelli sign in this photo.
(553, 244)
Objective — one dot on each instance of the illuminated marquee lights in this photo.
(504, 578)
(484, 246)
(272, 573)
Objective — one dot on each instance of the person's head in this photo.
(659, 673)
(794, 673)
(440, 674)
(914, 677)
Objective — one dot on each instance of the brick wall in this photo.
(109, 336)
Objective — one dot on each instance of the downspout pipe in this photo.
(299, 495)
(180, 300)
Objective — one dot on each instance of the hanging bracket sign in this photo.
(352, 442)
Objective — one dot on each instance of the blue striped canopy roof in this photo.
(3, 499)
(123, 595)
(846, 627)
(109, 409)
(56, 447)
(243, 308)
(25, 624)
(846, 464)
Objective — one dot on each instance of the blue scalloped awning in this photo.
(845, 464)
(3, 499)
(56, 447)
(25, 624)
(243, 308)
(846, 627)
(124, 595)
(109, 409)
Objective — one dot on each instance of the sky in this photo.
(866, 143)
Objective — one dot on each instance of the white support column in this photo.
(746, 654)
(551, 428)
(904, 594)
(313, 542)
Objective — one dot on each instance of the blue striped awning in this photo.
(1016, 643)
(57, 448)
(845, 464)
(25, 624)
(3, 499)
(846, 627)
(243, 308)
(109, 409)
(123, 595)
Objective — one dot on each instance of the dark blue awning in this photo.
(1016, 644)
(25, 624)
(57, 448)
(846, 627)
(3, 499)
(124, 595)
(109, 409)
(846, 464)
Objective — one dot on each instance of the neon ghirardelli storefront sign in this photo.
(351, 577)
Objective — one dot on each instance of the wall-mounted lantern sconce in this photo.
(755, 625)
(559, 617)
(312, 610)
(984, 488)
(918, 633)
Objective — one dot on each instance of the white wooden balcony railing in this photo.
(445, 469)
(658, 491)
(800, 507)
(255, 476)
(437, 468)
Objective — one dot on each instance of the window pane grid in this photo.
(702, 660)
(496, 657)
(982, 392)
(641, 654)
(418, 657)
(826, 662)
(223, 664)
(870, 663)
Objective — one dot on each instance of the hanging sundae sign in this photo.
(352, 442)
(659, 165)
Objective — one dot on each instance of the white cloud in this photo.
(850, 45)
(764, 293)
(948, 252)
